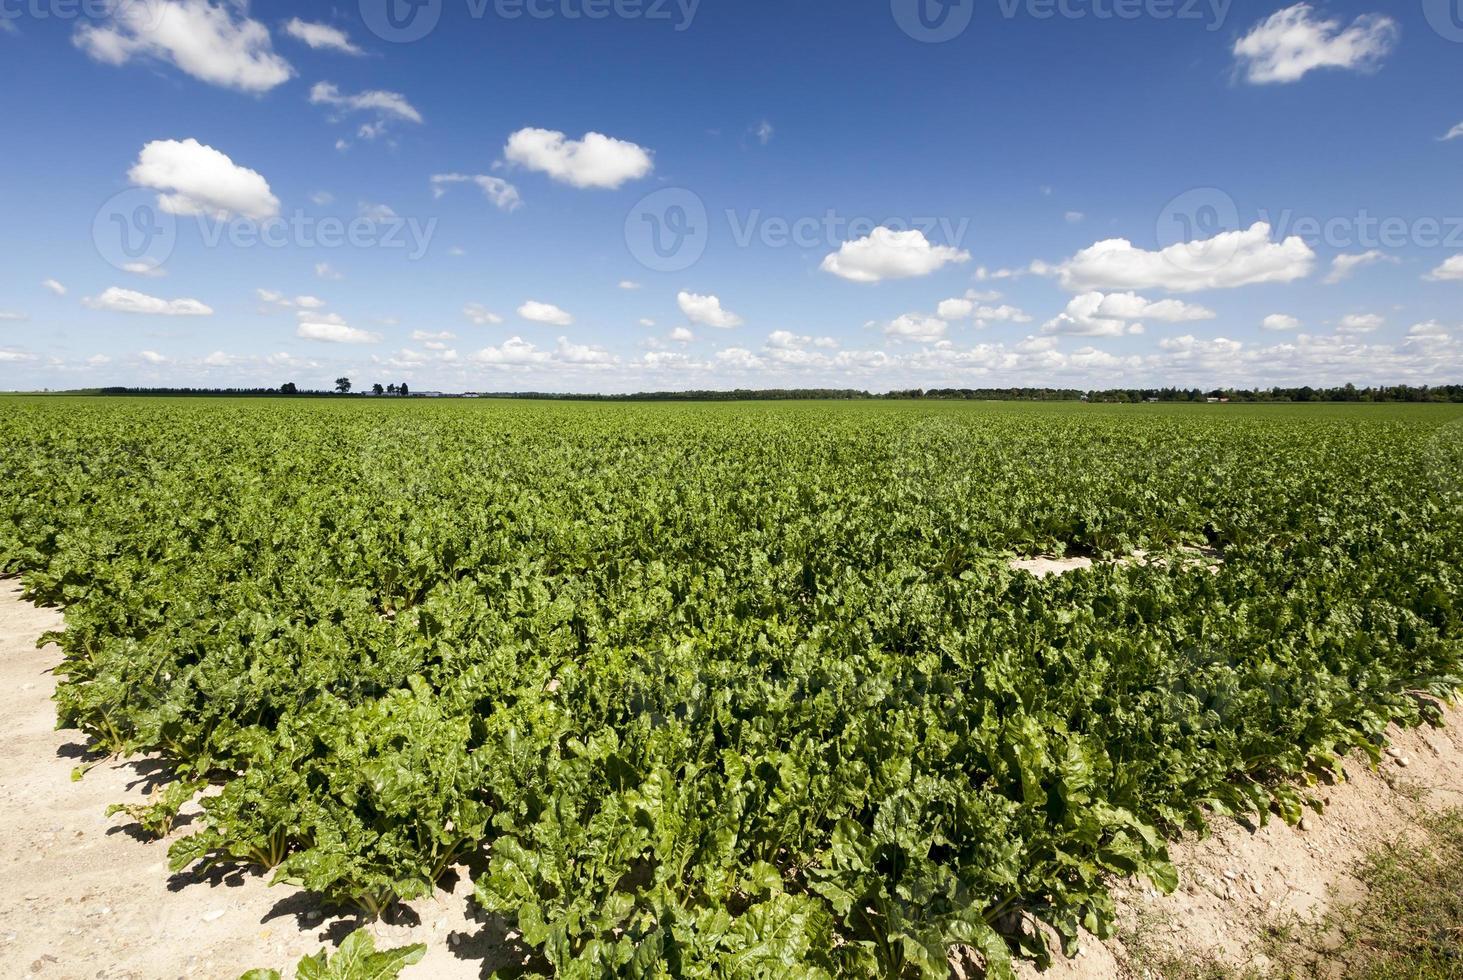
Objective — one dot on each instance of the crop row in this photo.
(734, 691)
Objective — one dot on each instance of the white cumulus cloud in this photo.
(214, 42)
(890, 254)
(1280, 321)
(1451, 269)
(1360, 323)
(916, 327)
(320, 36)
(594, 161)
(1295, 41)
(707, 311)
(194, 179)
(118, 300)
(547, 313)
(1228, 260)
(1096, 314)
(332, 330)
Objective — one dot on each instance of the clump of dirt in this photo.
(1188, 556)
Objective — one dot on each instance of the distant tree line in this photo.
(1345, 393)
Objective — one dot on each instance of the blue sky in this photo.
(1084, 193)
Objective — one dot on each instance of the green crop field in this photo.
(750, 690)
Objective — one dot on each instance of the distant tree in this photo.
(288, 388)
(391, 389)
(403, 389)
(376, 389)
(343, 385)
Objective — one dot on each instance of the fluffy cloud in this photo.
(629, 284)
(320, 36)
(916, 328)
(324, 270)
(955, 309)
(787, 340)
(546, 313)
(1451, 269)
(1095, 314)
(1431, 328)
(969, 306)
(1280, 321)
(1292, 42)
(152, 357)
(707, 311)
(54, 287)
(270, 298)
(333, 330)
(503, 194)
(196, 179)
(387, 106)
(117, 300)
(595, 161)
(215, 43)
(1305, 359)
(517, 352)
(890, 254)
(1228, 260)
(481, 315)
(682, 335)
(1454, 133)
(1360, 323)
(1342, 266)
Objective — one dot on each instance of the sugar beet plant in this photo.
(735, 691)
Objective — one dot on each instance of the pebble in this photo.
(1305, 823)
(1394, 752)
(1255, 887)
(1403, 761)
(213, 916)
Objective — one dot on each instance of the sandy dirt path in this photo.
(1242, 879)
(81, 897)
